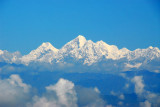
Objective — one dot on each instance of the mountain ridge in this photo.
(87, 52)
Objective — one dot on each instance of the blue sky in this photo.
(25, 24)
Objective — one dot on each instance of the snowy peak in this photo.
(124, 50)
(80, 37)
(153, 48)
(90, 52)
(150, 47)
(47, 46)
(37, 54)
(1, 52)
(74, 44)
(110, 48)
(43, 49)
(80, 40)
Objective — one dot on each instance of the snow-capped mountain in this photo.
(43, 53)
(88, 53)
(149, 53)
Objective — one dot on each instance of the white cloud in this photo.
(96, 90)
(120, 103)
(62, 94)
(65, 92)
(109, 106)
(136, 65)
(13, 92)
(113, 93)
(119, 95)
(126, 86)
(15, 80)
(150, 97)
(139, 86)
(153, 98)
(43, 102)
(145, 104)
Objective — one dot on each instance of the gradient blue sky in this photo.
(25, 24)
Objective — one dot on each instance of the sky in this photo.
(26, 24)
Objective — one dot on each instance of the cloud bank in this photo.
(64, 93)
(13, 92)
(16, 93)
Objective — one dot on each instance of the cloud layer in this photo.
(13, 92)
(64, 93)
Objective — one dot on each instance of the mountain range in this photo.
(86, 53)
